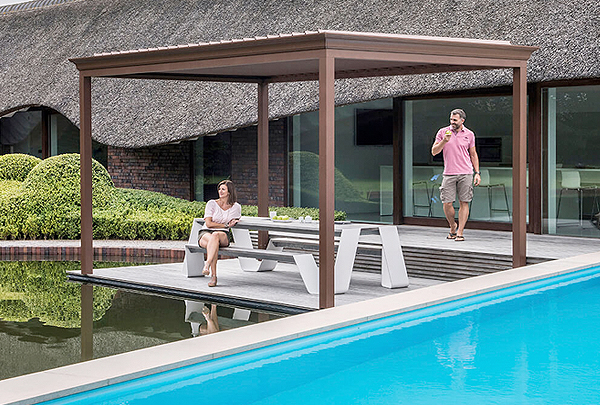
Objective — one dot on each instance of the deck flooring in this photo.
(281, 287)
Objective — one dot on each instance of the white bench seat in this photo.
(233, 251)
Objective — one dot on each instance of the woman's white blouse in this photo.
(214, 211)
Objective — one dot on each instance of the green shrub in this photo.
(9, 188)
(142, 199)
(16, 166)
(56, 181)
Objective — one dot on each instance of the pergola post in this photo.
(263, 158)
(519, 226)
(326, 181)
(85, 156)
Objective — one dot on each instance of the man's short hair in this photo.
(461, 113)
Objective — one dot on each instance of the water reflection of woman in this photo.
(219, 215)
(212, 322)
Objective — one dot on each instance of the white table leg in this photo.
(344, 260)
(393, 269)
(193, 263)
(308, 271)
(242, 239)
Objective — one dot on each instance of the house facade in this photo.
(195, 134)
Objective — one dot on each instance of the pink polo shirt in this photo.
(457, 159)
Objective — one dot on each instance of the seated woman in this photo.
(219, 216)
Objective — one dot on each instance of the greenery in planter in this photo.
(46, 205)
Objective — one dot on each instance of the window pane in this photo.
(490, 118)
(572, 129)
(216, 158)
(363, 160)
(22, 133)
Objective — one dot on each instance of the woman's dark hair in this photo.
(231, 188)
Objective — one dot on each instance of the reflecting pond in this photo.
(44, 325)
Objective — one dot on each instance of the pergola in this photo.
(323, 56)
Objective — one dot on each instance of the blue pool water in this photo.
(537, 343)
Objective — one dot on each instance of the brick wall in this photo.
(165, 169)
(244, 165)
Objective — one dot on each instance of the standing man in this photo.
(460, 161)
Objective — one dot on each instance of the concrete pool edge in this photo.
(67, 380)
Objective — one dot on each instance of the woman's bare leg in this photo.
(211, 319)
(213, 242)
(204, 242)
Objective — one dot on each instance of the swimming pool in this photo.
(535, 343)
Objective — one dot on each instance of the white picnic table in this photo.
(393, 269)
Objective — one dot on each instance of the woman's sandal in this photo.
(206, 271)
(213, 282)
(459, 238)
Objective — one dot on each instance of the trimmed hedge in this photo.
(46, 205)
(16, 166)
(57, 181)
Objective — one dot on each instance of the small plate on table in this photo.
(281, 220)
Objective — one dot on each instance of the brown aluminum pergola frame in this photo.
(323, 56)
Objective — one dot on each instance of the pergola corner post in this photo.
(85, 155)
(326, 181)
(519, 225)
(263, 158)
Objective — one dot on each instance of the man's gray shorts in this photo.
(461, 183)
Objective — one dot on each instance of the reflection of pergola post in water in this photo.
(87, 322)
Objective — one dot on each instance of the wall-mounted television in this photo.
(489, 149)
(373, 126)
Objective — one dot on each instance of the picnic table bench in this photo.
(393, 269)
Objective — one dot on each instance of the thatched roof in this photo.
(37, 42)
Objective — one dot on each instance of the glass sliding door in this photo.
(363, 160)
(490, 118)
(212, 164)
(22, 132)
(571, 125)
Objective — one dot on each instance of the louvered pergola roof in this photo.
(295, 57)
